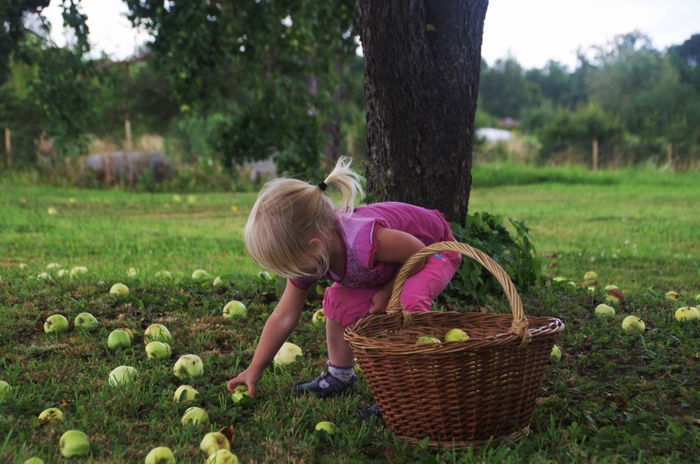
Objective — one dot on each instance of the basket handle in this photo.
(519, 326)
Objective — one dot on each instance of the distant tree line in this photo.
(632, 98)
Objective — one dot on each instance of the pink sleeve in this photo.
(374, 241)
(301, 284)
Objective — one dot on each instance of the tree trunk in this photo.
(422, 64)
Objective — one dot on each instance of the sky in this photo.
(532, 31)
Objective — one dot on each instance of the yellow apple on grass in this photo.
(56, 323)
(44, 276)
(128, 332)
(62, 273)
(195, 416)
(74, 443)
(34, 461)
(234, 309)
(132, 272)
(122, 376)
(160, 455)
(319, 317)
(590, 275)
(673, 296)
(456, 335)
(86, 321)
(118, 339)
(326, 426)
(222, 456)
(158, 350)
(240, 392)
(189, 365)
(213, 442)
(603, 310)
(184, 394)
(555, 356)
(287, 354)
(78, 270)
(53, 266)
(119, 289)
(687, 313)
(157, 333)
(51, 416)
(633, 324)
(427, 340)
(200, 274)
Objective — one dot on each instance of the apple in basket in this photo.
(427, 340)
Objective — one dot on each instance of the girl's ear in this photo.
(316, 245)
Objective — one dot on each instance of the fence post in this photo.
(595, 154)
(669, 154)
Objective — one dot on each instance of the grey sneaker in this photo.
(324, 386)
(369, 412)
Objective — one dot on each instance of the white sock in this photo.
(342, 373)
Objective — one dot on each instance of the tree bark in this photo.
(422, 65)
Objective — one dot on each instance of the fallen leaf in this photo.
(229, 433)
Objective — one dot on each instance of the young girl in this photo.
(295, 231)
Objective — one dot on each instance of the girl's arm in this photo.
(276, 331)
(394, 246)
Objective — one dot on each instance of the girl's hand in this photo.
(247, 378)
(380, 301)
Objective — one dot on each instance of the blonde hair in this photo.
(289, 213)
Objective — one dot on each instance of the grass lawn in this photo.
(613, 397)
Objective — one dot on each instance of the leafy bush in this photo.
(515, 254)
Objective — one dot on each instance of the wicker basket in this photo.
(456, 394)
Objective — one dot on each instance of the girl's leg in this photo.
(339, 352)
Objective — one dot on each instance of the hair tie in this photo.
(322, 186)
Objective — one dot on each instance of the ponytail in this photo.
(347, 181)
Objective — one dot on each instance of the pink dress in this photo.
(350, 296)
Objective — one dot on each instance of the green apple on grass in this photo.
(222, 456)
(326, 426)
(213, 442)
(603, 310)
(217, 281)
(78, 270)
(319, 317)
(590, 275)
(158, 350)
(56, 323)
(195, 415)
(34, 461)
(633, 324)
(51, 415)
(119, 289)
(687, 313)
(62, 273)
(184, 394)
(121, 376)
(74, 443)
(234, 309)
(287, 354)
(200, 274)
(189, 365)
(118, 339)
(673, 296)
(157, 333)
(555, 356)
(160, 455)
(4, 389)
(44, 276)
(86, 321)
(128, 332)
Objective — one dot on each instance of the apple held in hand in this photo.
(157, 333)
(633, 324)
(74, 443)
(56, 323)
(195, 416)
(213, 442)
(287, 354)
(189, 365)
(687, 313)
(51, 415)
(118, 339)
(121, 376)
(603, 310)
(160, 455)
(119, 290)
(235, 309)
(158, 350)
(427, 340)
(319, 317)
(555, 356)
(184, 394)
(328, 427)
(456, 335)
(86, 321)
(240, 392)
